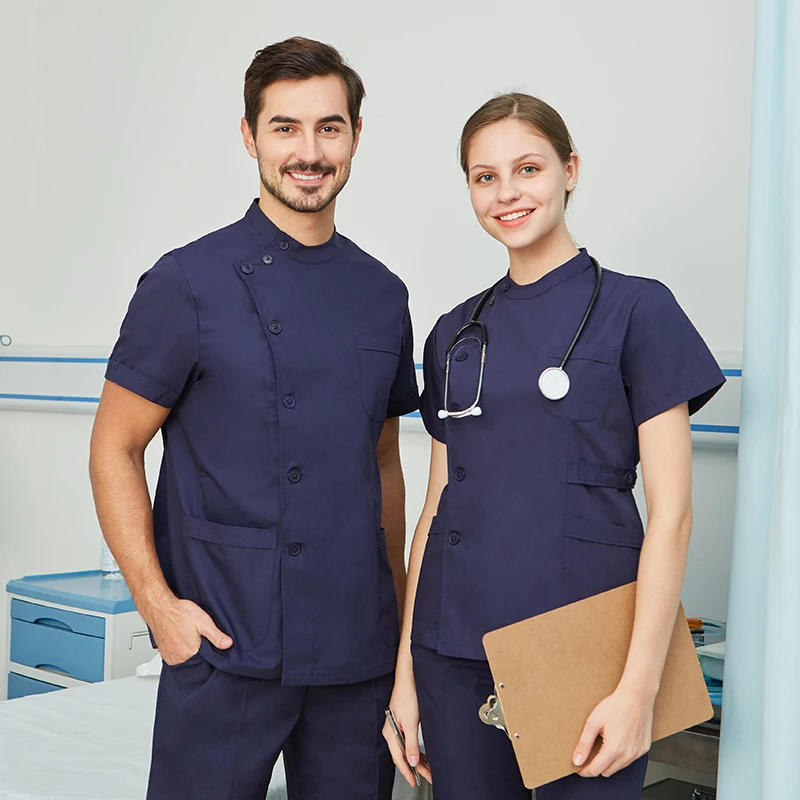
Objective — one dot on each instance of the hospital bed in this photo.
(93, 743)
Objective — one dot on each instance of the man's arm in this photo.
(393, 493)
(124, 426)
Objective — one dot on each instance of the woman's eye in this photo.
(484, 178)
(530, 170)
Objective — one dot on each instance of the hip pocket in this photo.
(388, 611)
(597, 557)
(234, 571)
(590, 368)
(378, 360)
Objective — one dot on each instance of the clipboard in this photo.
(551, 671)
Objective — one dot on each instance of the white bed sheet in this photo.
(91, 743)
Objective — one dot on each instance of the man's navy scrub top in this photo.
(280, 363)
(538, 510)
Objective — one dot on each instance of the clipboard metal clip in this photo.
(491, 713)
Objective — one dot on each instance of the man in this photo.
(276, 358)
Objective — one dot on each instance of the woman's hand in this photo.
(406, 714)
(624, 721)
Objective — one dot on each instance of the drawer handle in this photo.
(53, 668)
(49, 622)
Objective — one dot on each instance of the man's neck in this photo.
(307, 228)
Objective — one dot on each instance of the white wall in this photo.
(120, 140)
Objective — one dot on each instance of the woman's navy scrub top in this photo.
(538, 510)
(280, 363)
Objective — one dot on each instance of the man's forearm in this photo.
(393, 521)
(125, 514)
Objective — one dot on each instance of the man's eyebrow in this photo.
(281, 120)
(332, 118)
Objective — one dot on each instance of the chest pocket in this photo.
(591, 369)
(378, 360)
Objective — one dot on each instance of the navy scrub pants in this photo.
(473, 761)
(217, 736)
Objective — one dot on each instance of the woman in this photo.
(529, 504)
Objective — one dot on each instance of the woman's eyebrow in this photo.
(515, 161)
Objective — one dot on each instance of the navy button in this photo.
(275, 327)
(283, 245)
(630, 477)
(454, 538)
(505, 287)
(293, 475)
(295, 549)
(289, 401)
(462, 356)
(266, 259)
(247, 268)
(460, 474)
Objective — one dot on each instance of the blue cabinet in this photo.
(72, 629)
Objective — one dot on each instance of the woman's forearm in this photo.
(661, 572)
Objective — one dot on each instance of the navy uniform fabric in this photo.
(540, 491)
(473, 761)
(330, 737)
(280, 363)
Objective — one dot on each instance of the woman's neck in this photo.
(530, 264)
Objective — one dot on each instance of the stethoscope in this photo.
(553, 382)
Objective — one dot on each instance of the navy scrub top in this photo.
(280, 363)
(538, 511)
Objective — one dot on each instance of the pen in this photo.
(401, 739)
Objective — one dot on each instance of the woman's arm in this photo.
(404, 697)
(625, 719)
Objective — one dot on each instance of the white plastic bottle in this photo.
(108, 564)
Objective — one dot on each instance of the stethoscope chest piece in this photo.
(554, 383)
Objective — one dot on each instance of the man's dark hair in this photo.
(298, 59)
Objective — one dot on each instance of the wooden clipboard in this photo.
(551, 671)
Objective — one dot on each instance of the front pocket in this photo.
(597, 557)
(234, 572)
(389, 610)
(591, 369)
(378, 360)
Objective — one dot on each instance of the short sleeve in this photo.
(404, 395)
(156, 355)
(432, 400)
(665, 361)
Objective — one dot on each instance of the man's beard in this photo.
(313, 198)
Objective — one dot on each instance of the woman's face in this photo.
(517, 183)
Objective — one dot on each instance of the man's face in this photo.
(304, 142)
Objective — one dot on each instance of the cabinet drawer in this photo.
(50, 617)
(22, 686)
(74, 654)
